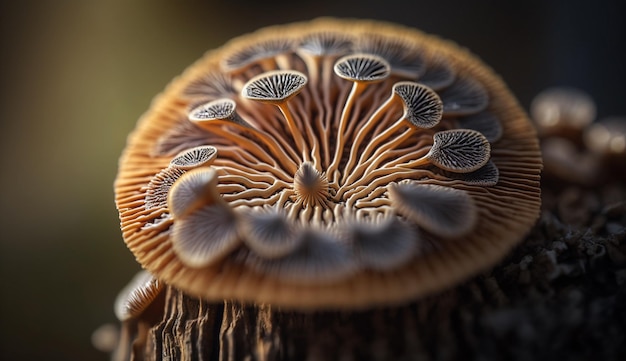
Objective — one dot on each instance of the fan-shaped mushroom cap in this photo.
(239, 57)
(362, 68)
(137, 296)
(269, 233)
(465, 96)
(319, 257)
(274, 86)
(485, 176)
(422, 106)
(405, 58)
(439, 73)
(325, 43)
(205, 236)
(195, 157)
(444, 211)
(291, 211)
(382, 245)
(193, 190)
(485, 123)
(460, 151)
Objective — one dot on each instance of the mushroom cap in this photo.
(362, 68)
(194, 157)
(562, 109)
(461, 151)
(216, 109)
(137, 296)
(204, 244)
(422, 106)
(275, 86)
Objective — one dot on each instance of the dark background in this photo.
(75, 75)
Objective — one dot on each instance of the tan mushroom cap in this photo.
(323, 268)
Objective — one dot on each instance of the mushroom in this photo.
(439, 73)
(607, 137)
(277, 87)
(563, 111)
(194, 157)
(133, 300)
(392, 165)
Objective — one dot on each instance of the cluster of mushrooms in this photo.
(332, 163)
(577, 147)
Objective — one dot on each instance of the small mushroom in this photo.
(562, 111)
(343, 197)
(460, 151)
(320, 50)
(422, 110)
(268, 54)
(607, 137)
(277, 87)
(444, 211)
(194, 157)
(565, 163)
(269, 233)
(137, 296)
(220, 111)
(212, 115)
(465, 96)
(484, 122)
(320, 257)
(361, 70)
(159, 187)
(485, 176)
(196, 189)
(205, 229)
(310, 186)
(405, 58)
(439, 73)
(382, 245)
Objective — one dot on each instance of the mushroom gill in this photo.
(329, 164)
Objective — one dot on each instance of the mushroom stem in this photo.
(384, 176)
(357, 89)
(313, 64)
(364, 131)
(295, 133)
(313, 138)
(384, 152)
(389, 168)
(273, 135)
(329, 111)
(214, 126)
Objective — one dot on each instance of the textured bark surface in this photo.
(559, 295)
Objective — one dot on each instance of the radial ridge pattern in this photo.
(325, 164)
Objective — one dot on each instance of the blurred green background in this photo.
(75, 76)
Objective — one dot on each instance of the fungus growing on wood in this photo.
(392, 164)
(194, 157)
(562, 110)
(137, 296)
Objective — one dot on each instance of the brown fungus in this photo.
(339, 195)
(194, 157)
(444, 211)
(562, 111)
(137, 296)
